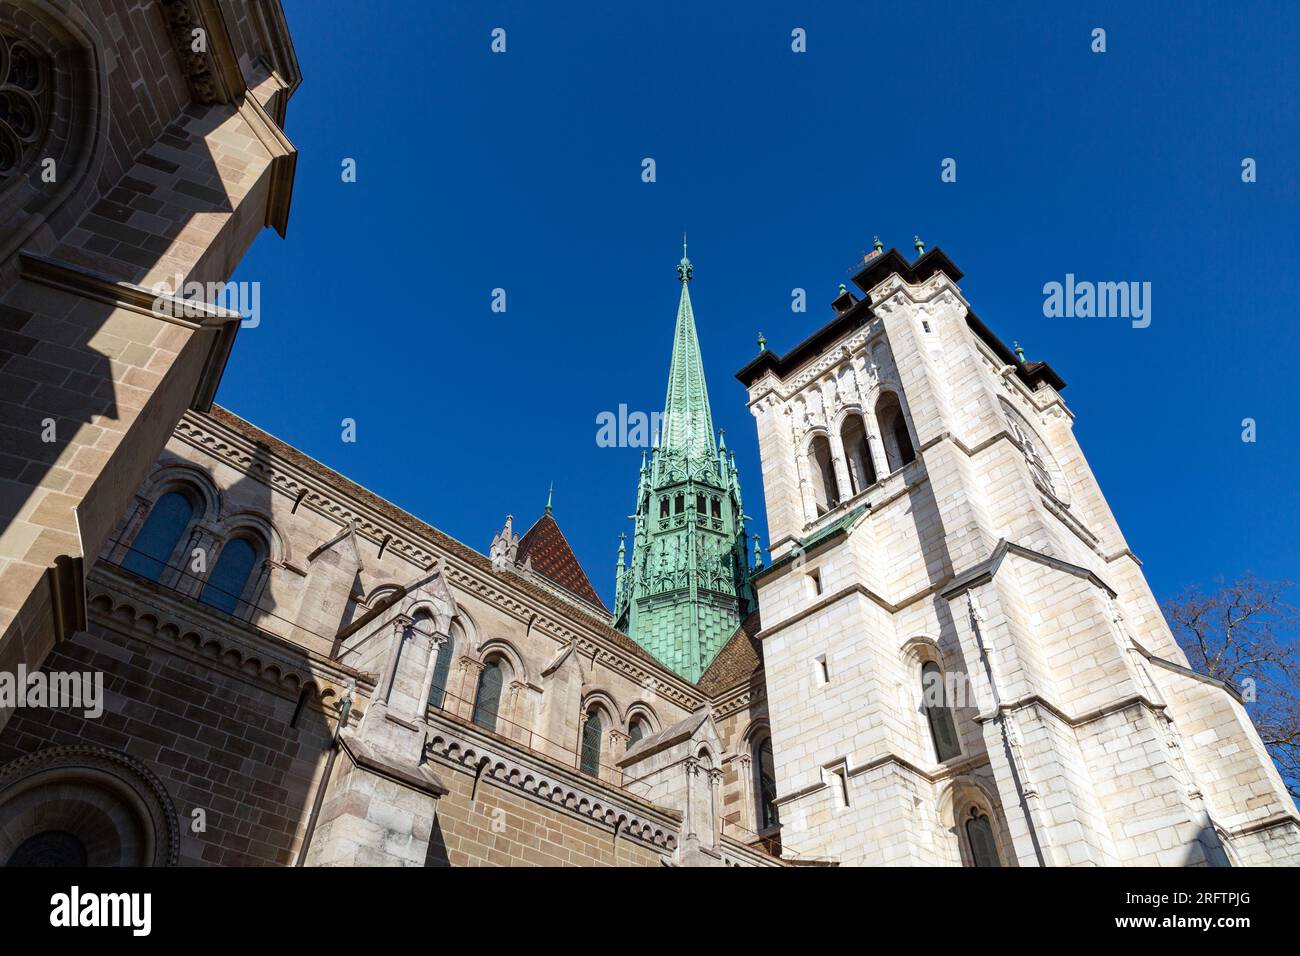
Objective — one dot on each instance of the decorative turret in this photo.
(687, 587)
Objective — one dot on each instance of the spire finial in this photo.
(762, 342)
(877, 244)
(920, 246)
(549, 492)
(1020, 353)
(684, 269)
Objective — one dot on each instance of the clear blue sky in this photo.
(523, 171)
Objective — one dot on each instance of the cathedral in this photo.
(950, 656)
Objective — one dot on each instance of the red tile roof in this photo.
(552, 558)
(740, 658)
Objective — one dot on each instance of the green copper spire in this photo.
(687, 587)
(687, 423)
(550, 492)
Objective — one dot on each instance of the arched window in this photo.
(862, 471)
(663, 507)
(228, 579)
(153, 546)
(826, 493)
(979, 837)
(893, 432)
(765, 784)
(638, 729)
(717, 508)
(488, 699)
(442, 668)
(699, 505)
(591, 733)
(679, 504)
(942, 730)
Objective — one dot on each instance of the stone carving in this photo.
(505, 546)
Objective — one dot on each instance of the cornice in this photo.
(148, 611)
(466, 750)
(507, 593)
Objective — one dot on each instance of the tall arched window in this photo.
(226, 583)
(862, 471)
(153, 546)
(893, 432)
(942, 730)
(826, 493)
(442, 668)
(592, 730)
(979, 837)
(765, 784)
(488, 699)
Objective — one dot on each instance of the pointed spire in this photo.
(920, 246)
(687, 421)
(550, 492)
(877, 245)
(758, 555)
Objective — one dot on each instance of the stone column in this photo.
(806, 497)
(466, 687)
(692, 767)
(844, 489)
(749, 807)
(875, 445)
(617, 747)
(715, 783)
(182, 575)
(437, 646)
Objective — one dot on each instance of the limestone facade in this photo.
(238, 706)
(133, 164)
(1070, 730)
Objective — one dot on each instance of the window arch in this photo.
(229, 579)
(593, 730)
(159, 536)
(943, 732)
(1043, 467)
(853, 435)
(765, 784)
(979, 838)
(487, 700)
(826, 492)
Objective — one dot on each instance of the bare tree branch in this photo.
(1247, 634)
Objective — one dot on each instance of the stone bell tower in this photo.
(964, 661)
(687, 587)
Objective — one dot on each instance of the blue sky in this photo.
(522, 171)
